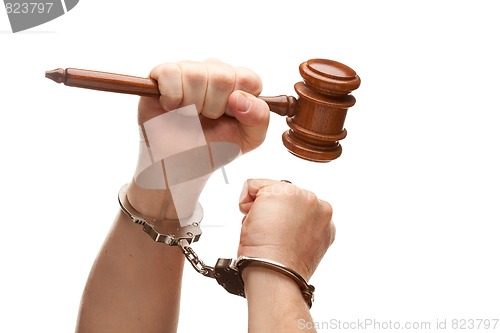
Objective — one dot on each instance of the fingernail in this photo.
(242, 102)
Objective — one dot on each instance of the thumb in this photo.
(250, 191)
(253, 118)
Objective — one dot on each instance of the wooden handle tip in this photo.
(56, 75)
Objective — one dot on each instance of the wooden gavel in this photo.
(316, 118)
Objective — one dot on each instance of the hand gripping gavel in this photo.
(316, 118)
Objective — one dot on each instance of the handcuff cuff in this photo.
(227, 272)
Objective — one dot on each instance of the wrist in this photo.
(275, 302)
(168, 179)
(173, 203)
(156, 203)
(263, 284)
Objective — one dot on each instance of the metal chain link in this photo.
(194, 260)
(227, 272)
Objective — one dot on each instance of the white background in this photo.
(415, 193)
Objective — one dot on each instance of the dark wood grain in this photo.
(324, 97)
(316, 118)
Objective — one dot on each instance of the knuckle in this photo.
(223, 78)
(195, 74)
(248, 81)
(268, 192)
(170, 101)
(166, 70)
(172, 97)
(327, 210)
(333, 232)
(310, 198)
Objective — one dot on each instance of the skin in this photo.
(277, 226)
(135, 283)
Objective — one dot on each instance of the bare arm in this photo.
(293, 227)
(275, 303)
(135, 283)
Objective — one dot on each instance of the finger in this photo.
(325, 214)
(326, 210)
(169, 78)
(253, 118)
(248, 81)
(194, 84)
(221, 80)
(333, 232)
(246, 200)
(249, 192)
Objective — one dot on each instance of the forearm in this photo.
(275, 302)
(135, 283)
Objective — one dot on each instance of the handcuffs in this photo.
(227, 272)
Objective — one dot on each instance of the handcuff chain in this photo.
(227, 272)
(194, 260)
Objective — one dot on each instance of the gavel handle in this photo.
(126, 84)
(283, 105)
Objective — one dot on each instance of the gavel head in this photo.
(318, 121)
